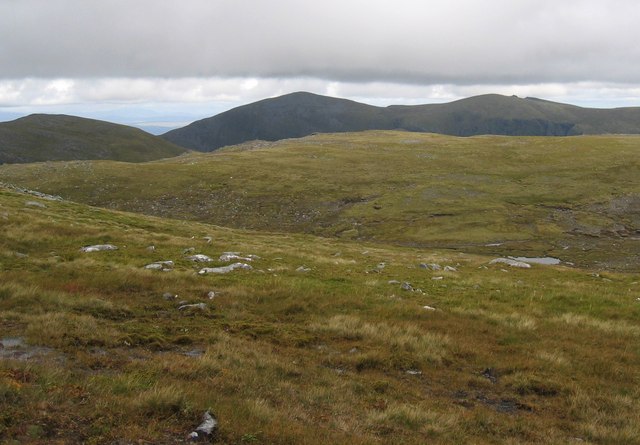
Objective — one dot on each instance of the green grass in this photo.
(301, 357)
(576, 198)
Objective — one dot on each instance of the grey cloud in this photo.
(458, 42)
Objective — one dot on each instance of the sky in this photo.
(160, 64)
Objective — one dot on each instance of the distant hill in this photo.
(289, 116)
(45, 137)
(300, 114)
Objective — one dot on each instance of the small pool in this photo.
(536, 260)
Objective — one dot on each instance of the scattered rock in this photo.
(151, 248)
(393, 282)
(413, 372)
(20, 255)
(201, 306)
(510, 262)
(164, 266)
(199, 258)
(379, 268)
(437, 278)
(225, 269)
(407, 286)
(206, 430)
(450, 269)
(208, 239)
(491, 374)
(303, 269)
(430, 266)
(429, 308)
(211, 295)
(169, 296)
(31, 192)
(234, 256)
(98, 248)
(35, 204)
(188, 250)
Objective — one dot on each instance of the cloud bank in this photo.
(195, 58)
(401, 41)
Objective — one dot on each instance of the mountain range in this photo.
(301, 114)
(47, 137)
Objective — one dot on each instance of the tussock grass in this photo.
(65, 330)
(617, 327)
(423, 345)
(513, 320)
(161, 401)
(401, 417)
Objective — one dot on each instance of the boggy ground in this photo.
(334, 354)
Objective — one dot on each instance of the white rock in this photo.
(510, 262)
(199, 258)
(234, 256)
(160, 265)
(450, 269)
(407, 286)
(225, 269)
(437, 278)
(205, 430)
(429, 308)
(303, 269)
(35, 204)
(211, 295)
(201, 306)
(98, 248)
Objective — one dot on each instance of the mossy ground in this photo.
(332, 355)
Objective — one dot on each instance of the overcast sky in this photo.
(168, 62)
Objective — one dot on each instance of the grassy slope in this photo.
(44, 137)
(289, 357)
(576, 198)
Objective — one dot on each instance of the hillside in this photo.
(321, 341)
(301, 114)
(575, 198)
(290, 116)
(44, 137)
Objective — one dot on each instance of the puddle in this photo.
(194, 353)
(12, 342)
(15, 348)
(537, 260)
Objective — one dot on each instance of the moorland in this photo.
(369, 307)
